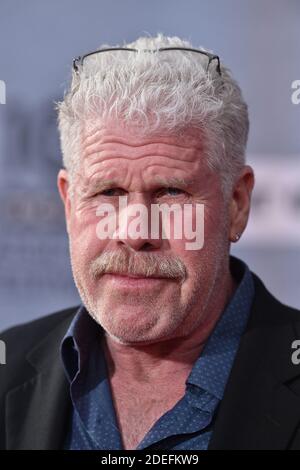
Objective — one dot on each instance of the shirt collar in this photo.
(75, 346)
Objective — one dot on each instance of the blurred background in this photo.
(258, 39)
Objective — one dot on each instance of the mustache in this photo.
(138, 264)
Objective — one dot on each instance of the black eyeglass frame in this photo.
(79, 60)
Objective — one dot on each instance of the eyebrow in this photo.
(103, 184)
(99, 185)
(174, 181)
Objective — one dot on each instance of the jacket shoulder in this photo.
(20, 339)
(19, 342)
(269, 310)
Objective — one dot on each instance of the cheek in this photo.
(215, 224)
(201, 263)
(85, 245)
(201, 228)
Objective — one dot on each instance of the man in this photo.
(172, 347)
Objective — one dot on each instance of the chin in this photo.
(135, 327)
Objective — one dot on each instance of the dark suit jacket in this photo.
(260, 408)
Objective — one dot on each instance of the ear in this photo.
(240, 202)
(63, 188)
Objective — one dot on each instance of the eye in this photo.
(111, 192)
(170, 191)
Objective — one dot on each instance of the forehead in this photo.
(92, 133)
(109, 151)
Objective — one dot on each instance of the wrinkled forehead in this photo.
(140, 134)
(109, 151)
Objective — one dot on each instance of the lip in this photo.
(129, 282)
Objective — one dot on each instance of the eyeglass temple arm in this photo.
(80, 58)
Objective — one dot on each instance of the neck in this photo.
(157, 362)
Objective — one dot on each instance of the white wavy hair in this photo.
(164, 92)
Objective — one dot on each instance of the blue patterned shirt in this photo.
(189, 424)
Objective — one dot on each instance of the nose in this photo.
(134, 225)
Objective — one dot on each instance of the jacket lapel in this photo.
(259, 410)
(37, 410)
